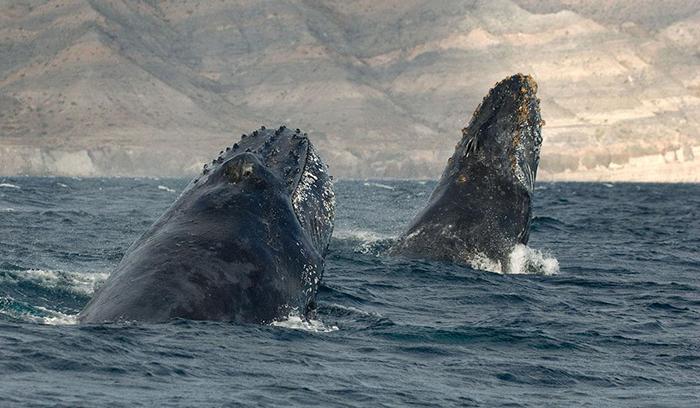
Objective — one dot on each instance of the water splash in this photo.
(526, 260)
(296, 322)
(523, 260)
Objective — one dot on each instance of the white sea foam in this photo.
(166, 188)
(80, 283)
(7, 209)
(53, 317)
(63, 185)
(522, 260)
(363, 235)
(296, 322)
(8, 185)
(34, 314)
(484, 263)
(369, 241)
(384, 186)
(528, 260)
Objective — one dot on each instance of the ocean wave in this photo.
(362, 235)
(8, 185)
(24, 312)
(53, 317)
(368, 242)
(544, 223)
(79, 283)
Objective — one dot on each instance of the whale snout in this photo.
(503, 137)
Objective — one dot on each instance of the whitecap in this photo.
(296, 322)
(368, 241)
(34, 314)
(8, 185)
(366, 236)
(166, 188)
(384, 186)
(53, 317)
(80, 283)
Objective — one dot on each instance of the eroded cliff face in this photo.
(136, 87)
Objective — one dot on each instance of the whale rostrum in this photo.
(482, 205)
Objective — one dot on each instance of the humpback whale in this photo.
(482, 205)
(244, 242)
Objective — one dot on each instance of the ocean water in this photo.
(604, 309)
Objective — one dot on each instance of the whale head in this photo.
(244, 242)
(504, 135)
(271, 163)
(482, 205)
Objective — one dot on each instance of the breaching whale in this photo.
(482, 205)
(244, 242)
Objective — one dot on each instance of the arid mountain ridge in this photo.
(138, 87)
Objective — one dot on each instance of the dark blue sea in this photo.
(604, 310)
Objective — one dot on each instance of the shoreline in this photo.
(150, 162)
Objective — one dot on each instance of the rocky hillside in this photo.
(146, 87)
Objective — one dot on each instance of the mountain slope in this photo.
(134, 87)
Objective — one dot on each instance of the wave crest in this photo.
(79, 283)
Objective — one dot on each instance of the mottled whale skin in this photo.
(482, 205)
(244, 242)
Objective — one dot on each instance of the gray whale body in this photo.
(482, 205)
(244, 242)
